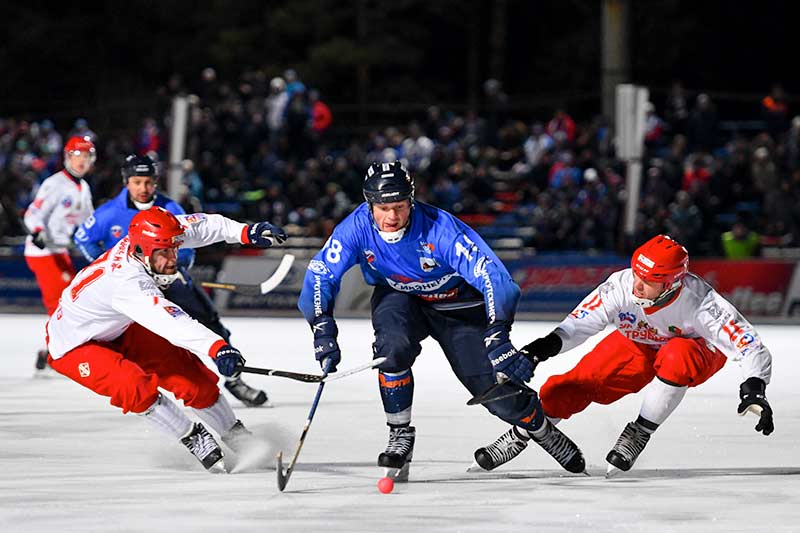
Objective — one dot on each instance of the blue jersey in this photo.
(440, 259)
(109, 223)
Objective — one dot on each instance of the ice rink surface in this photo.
(71, 462)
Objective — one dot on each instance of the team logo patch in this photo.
(317, 267)
(627, 317)
(194, 218)
(116, 231)
(480, 267)
(84, 370)
(427, 263)
(369, 255)
(676, 330)
(173, 311)
(66, 202)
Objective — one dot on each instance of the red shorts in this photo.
(53, 273)
(131, 368)
(617, 366)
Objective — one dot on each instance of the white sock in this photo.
(539, 433)
(660, 399)
(219, 416)
(168, 417)
(399, 419)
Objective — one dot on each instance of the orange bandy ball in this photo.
(385, 485)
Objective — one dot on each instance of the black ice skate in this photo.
(629, 445)
(507, 446)
(245, 393)
(396, 460)
(203, 446)
(561, 448)
(43, 369)
(238, 437)
(41, 359)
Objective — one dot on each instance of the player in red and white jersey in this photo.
(62, 203)
(670, 325)
(115, 333)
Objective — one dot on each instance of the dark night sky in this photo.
(60, 60)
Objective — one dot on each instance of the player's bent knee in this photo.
(523, 410)
(198, 397)
(675, 363)
(398, 352)
(136, 398)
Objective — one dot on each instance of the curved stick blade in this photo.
(283, 477)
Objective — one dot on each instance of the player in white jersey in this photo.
(670, 325)
(62, 203)
(115, 333)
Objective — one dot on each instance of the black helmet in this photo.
(388, 182)
(136, 165)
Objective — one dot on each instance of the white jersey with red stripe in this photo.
(698, 311)
(116, 290)
(60, 205)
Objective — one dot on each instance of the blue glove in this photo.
(229, 361)
(753, 395)
(264, 234)
(507, 362)
(325, 345)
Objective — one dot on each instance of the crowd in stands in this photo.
(265, 149)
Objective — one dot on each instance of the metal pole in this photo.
(177, 144)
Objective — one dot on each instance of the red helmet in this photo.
(661, 260)
(76, 146)
(79, 144)
(154, 229)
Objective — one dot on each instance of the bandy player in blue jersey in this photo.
(433, 276)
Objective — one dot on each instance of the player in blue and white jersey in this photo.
(109, 224)
(433, 276)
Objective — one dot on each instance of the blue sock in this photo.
(397, 394)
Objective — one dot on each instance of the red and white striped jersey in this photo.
(116, 290)
(698, 311)
(60, 205)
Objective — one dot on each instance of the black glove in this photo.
(325, 345)
(38, 239)
(229, 361)
(507, 361)
(754, 399)
(542, 348)
(264, 234)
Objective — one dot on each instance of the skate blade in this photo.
(475, 467)
(218, 468)
(398, 474)
(612, 471)
(46, 373)
(753, 409)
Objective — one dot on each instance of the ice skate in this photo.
(561, 448)
(629, 445)
(246, 394)
(396, 459)
(238, 437)
(506, 447)
(203, 446)
(43, 369)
